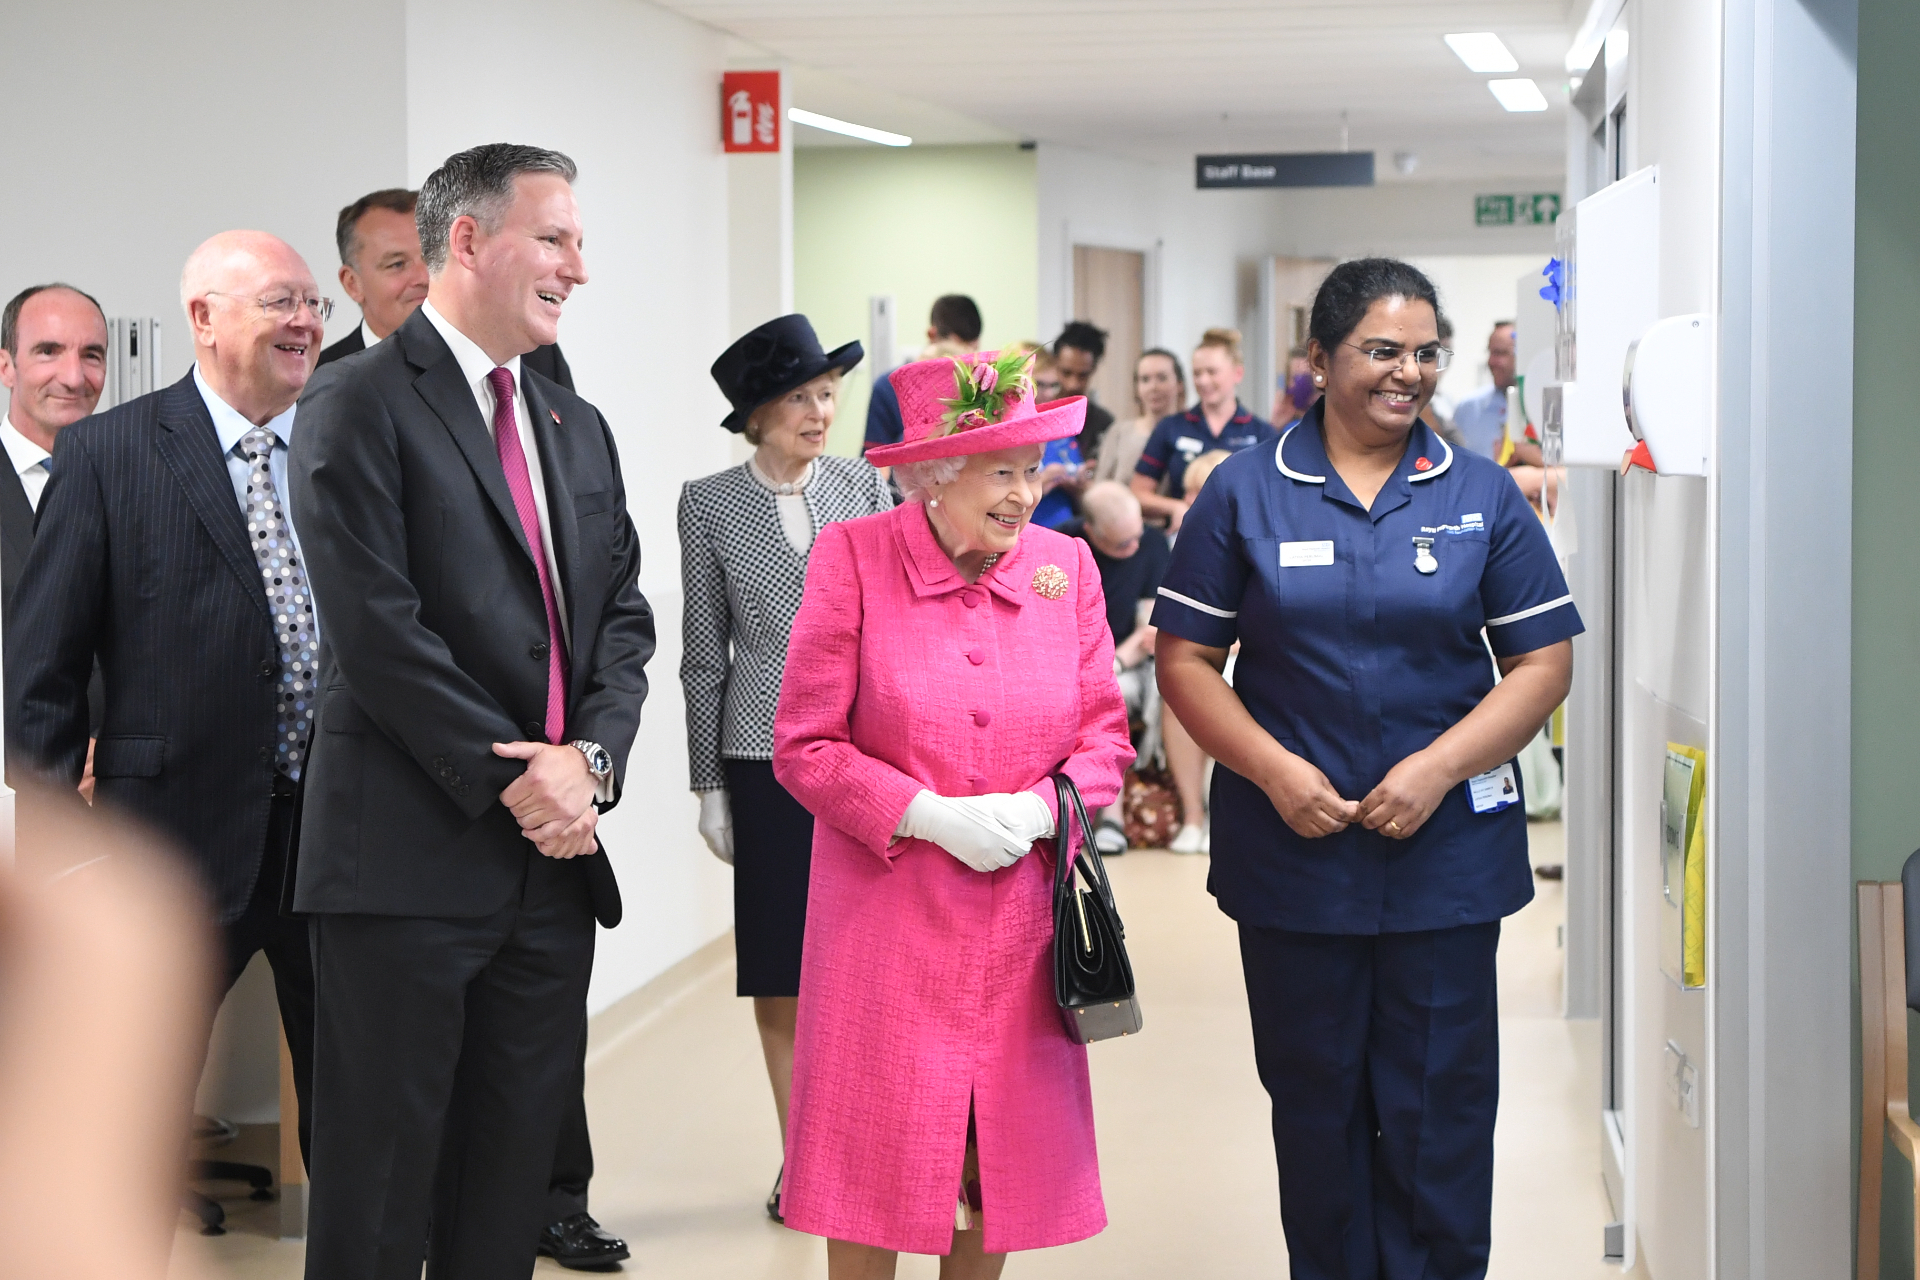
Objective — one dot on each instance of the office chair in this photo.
(218, 1133)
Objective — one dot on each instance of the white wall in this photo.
(635, 103)
(141, 129)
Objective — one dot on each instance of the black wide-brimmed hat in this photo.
(771, 361)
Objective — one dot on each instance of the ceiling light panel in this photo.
(1518, 95)
(1482, 51)
(860, 131)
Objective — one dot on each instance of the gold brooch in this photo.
(1050, 580)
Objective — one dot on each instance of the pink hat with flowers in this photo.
(962, 405)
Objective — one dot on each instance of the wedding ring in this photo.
(1392, 825)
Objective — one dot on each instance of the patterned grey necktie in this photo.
(288, 600)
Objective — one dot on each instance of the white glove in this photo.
(1021, 814)
(716, 824)
(979, 842)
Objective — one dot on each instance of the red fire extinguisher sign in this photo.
(750, 111)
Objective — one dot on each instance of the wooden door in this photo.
(1109, 290)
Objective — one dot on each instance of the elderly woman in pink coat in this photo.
(946, 661)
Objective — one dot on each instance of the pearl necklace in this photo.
(780, 488)
(992, 558)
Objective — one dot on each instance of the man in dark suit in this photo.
(382, 270)
(486, 646)
(53, 362)
(380, 266)
(163, 547)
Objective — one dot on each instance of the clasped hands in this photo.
(1397, 808)
(984, 832)
(553, 800)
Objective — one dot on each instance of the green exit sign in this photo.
(1539, 208)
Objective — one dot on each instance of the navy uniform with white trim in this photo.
(1370, 960)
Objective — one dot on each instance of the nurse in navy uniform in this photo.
(1369, 831)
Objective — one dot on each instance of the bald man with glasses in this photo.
(164, 545)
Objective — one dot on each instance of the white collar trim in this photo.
(1280, 459)
(1445, 462)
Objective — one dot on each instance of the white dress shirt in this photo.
(475, 365)
(229, 426)
(366, 337)
(29, 461)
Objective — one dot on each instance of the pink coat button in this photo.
(970, 598)
(982, 719)
(976, 656)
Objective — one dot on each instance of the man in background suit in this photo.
(486, 650)
(380, 266)
(382, 271)
(163, 546)
(53, 362)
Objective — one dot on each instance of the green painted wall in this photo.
(1886, 457)
(915, 222)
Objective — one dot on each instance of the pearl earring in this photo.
(933, 502)
(1317, 379)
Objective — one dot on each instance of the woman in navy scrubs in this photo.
(1368, 833)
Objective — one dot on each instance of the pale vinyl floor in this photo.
(687, 1144)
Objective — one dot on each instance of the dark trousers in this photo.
(444, 1053)
(261, 927)
(573, 1153)
(1382, 1057)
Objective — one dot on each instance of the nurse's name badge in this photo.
(1494, 790)
(1423, 555)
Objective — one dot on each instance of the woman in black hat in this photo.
(744, 537)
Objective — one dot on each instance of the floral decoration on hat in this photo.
(1050, 580)
(984, 388)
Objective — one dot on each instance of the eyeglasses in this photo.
(284, 306)
(1432, 358)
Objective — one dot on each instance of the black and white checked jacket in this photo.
(743, 581)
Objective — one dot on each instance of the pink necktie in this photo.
(513, 461)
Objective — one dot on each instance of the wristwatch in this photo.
(599, 760)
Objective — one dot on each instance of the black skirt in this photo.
(772, 860)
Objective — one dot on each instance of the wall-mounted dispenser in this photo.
(1610, 296)
(1667, 393)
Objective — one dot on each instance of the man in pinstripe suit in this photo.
(163, 546)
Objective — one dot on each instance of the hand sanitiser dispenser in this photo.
(1667, 392)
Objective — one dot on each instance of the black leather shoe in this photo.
(581, 1244)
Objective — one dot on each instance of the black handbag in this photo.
(1092, 977)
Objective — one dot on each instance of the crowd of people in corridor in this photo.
(360, 629)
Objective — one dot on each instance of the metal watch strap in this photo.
(594, 753)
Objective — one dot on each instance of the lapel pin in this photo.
(1422, 464)
(1423, 554)
(555, 416)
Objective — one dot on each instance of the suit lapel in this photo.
(564, 526)
(445, 389)
(190, 449)
(16, 524)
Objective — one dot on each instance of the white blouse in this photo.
(791, 502)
